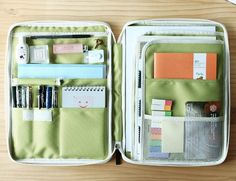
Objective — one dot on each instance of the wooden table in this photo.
(116, 13)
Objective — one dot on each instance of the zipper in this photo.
(29, 34)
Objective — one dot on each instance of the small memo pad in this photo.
(172, 136)
(84, 97)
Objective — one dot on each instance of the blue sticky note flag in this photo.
(67, 71)
(158, 155)
(155, 149)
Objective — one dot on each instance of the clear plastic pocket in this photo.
(182, 138)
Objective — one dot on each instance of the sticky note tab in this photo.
(155, 143)
(156, 136)
(158, 155)
(155, 130)
(172, 136)
(161, 105)
(161, 113)
(155, 149)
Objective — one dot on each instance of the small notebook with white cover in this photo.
(83, 97)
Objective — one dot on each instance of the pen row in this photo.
(54, 96)
(47, 96)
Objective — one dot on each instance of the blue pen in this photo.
(48, 97)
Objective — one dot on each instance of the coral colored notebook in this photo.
(185, 66)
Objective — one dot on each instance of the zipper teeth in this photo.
(19, 34)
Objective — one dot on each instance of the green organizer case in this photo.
(73, 136)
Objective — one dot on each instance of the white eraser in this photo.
(95, 56)
(39, 54)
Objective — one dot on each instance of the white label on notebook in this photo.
(84, 97)
(199, 66)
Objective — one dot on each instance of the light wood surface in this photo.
(116, 13)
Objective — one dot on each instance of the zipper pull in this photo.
(98, 43)
(118, 155)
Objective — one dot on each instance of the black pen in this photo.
(39, 97)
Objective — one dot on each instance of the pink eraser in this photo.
(67, 48)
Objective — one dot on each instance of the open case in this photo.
(47, 56)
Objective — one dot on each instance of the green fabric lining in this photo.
(59, 29)
(182, 91)
(83, 133)
(71, 58)
(185, 48)
(117, 95)
(73, 133)
(34, 81)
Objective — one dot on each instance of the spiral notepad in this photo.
(83, 97)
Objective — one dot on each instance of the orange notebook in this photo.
(185, 66)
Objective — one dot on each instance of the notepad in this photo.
(185, 66)
(83, 97)
(69, 71)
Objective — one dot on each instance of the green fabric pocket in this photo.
(72, 58)
(34, 139)
(183, 48)
(45, 137)
(83, 133)
(182, 91)
(22, 135)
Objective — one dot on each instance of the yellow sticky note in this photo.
(172, 136)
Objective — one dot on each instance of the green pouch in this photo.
(90, 135)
